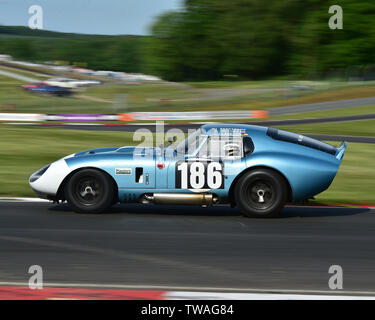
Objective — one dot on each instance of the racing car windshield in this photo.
(302, 140)
(191, 143)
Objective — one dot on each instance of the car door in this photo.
(229, 151)
(181, 165)
(212, 166)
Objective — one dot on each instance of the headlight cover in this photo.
(35, 176)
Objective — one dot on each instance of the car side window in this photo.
(248, 146)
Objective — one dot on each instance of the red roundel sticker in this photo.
(161, 165)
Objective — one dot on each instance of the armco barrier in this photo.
(200, 115)
(134, 116)
(22, 117)
(82, 117)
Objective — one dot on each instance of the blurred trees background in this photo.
(117, 53)
(212, 39)
(256, 39)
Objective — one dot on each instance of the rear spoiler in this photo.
(341, 150)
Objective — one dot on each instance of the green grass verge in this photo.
(354, 183)
(24, 150)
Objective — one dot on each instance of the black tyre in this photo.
(90, 191)
(261, 193)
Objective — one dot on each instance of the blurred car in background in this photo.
(5, 57)
(34, 85)
(71, 83)
(46, 89)
(52, 91)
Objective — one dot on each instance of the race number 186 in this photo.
(199, 175)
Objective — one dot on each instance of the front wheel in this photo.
(90, 191)
(261, 193)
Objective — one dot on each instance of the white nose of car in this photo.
(46, 181)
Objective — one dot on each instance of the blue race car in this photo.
(45, 89)
(256, 168)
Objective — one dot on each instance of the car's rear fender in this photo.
(306, 175)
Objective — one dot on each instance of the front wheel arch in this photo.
(60, 192)
(231, 197)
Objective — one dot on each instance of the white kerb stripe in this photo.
(186, 295)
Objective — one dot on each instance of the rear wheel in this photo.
(90, 191)
(261, 193)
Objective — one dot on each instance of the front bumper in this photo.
(47, 184)
(46, 196)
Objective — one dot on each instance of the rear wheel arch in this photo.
(231, 196)
(60, 192)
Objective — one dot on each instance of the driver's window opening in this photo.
(232, 150)
(222, 147)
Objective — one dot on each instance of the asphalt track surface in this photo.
(165, 246)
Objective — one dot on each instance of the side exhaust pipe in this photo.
(203, 199)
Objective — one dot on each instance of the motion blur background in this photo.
(201, 40)
(279, 58)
